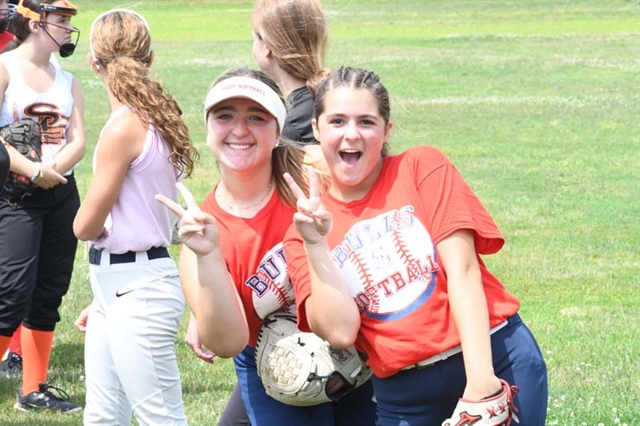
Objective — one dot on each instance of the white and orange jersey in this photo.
(51, 109)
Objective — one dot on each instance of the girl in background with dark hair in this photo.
(144, 148)
(37, 245)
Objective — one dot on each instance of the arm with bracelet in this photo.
(42, 175)
(38, 173)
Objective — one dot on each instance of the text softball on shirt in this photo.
(389, 263)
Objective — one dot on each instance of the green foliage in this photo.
(537, 103)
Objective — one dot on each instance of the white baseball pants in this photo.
(130, 355)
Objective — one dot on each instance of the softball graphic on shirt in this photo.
(272, 289)
(389, 263)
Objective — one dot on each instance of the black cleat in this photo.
(45, 400)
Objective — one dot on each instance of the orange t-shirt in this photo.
(254, 255)
(385, 248)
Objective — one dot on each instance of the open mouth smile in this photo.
(350, 156)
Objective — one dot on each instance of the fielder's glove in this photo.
(24, 136)
(301, 369)
(497, 410)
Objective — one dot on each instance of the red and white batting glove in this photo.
(495, 411)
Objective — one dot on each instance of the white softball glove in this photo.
(494, 411)
(300, 368)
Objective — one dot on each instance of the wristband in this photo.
(37, 174)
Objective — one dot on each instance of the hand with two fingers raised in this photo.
(198, 230)
(312, 220)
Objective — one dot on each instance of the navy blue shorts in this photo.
(428, 396)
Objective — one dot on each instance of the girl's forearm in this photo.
(331, 310)
(221, 319)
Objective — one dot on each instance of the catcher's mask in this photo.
(6, 15)
(69, 9)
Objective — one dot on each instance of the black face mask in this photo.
(66, 49)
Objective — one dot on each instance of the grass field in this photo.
(536, 102)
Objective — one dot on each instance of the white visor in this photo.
(248, 88)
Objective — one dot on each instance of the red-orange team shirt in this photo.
(254, 254)
(385, 248)
(5, 38)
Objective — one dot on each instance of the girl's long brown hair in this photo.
(121, 46)
(297, 34)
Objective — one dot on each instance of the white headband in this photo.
(146, 24)
(248, 88)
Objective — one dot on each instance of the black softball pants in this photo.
(37, 251)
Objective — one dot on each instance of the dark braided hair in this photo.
(355, 78)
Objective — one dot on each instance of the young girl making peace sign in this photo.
(388, 259)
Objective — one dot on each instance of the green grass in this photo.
(536, 102)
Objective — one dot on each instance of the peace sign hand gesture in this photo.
(312, 221)
(198, 230)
